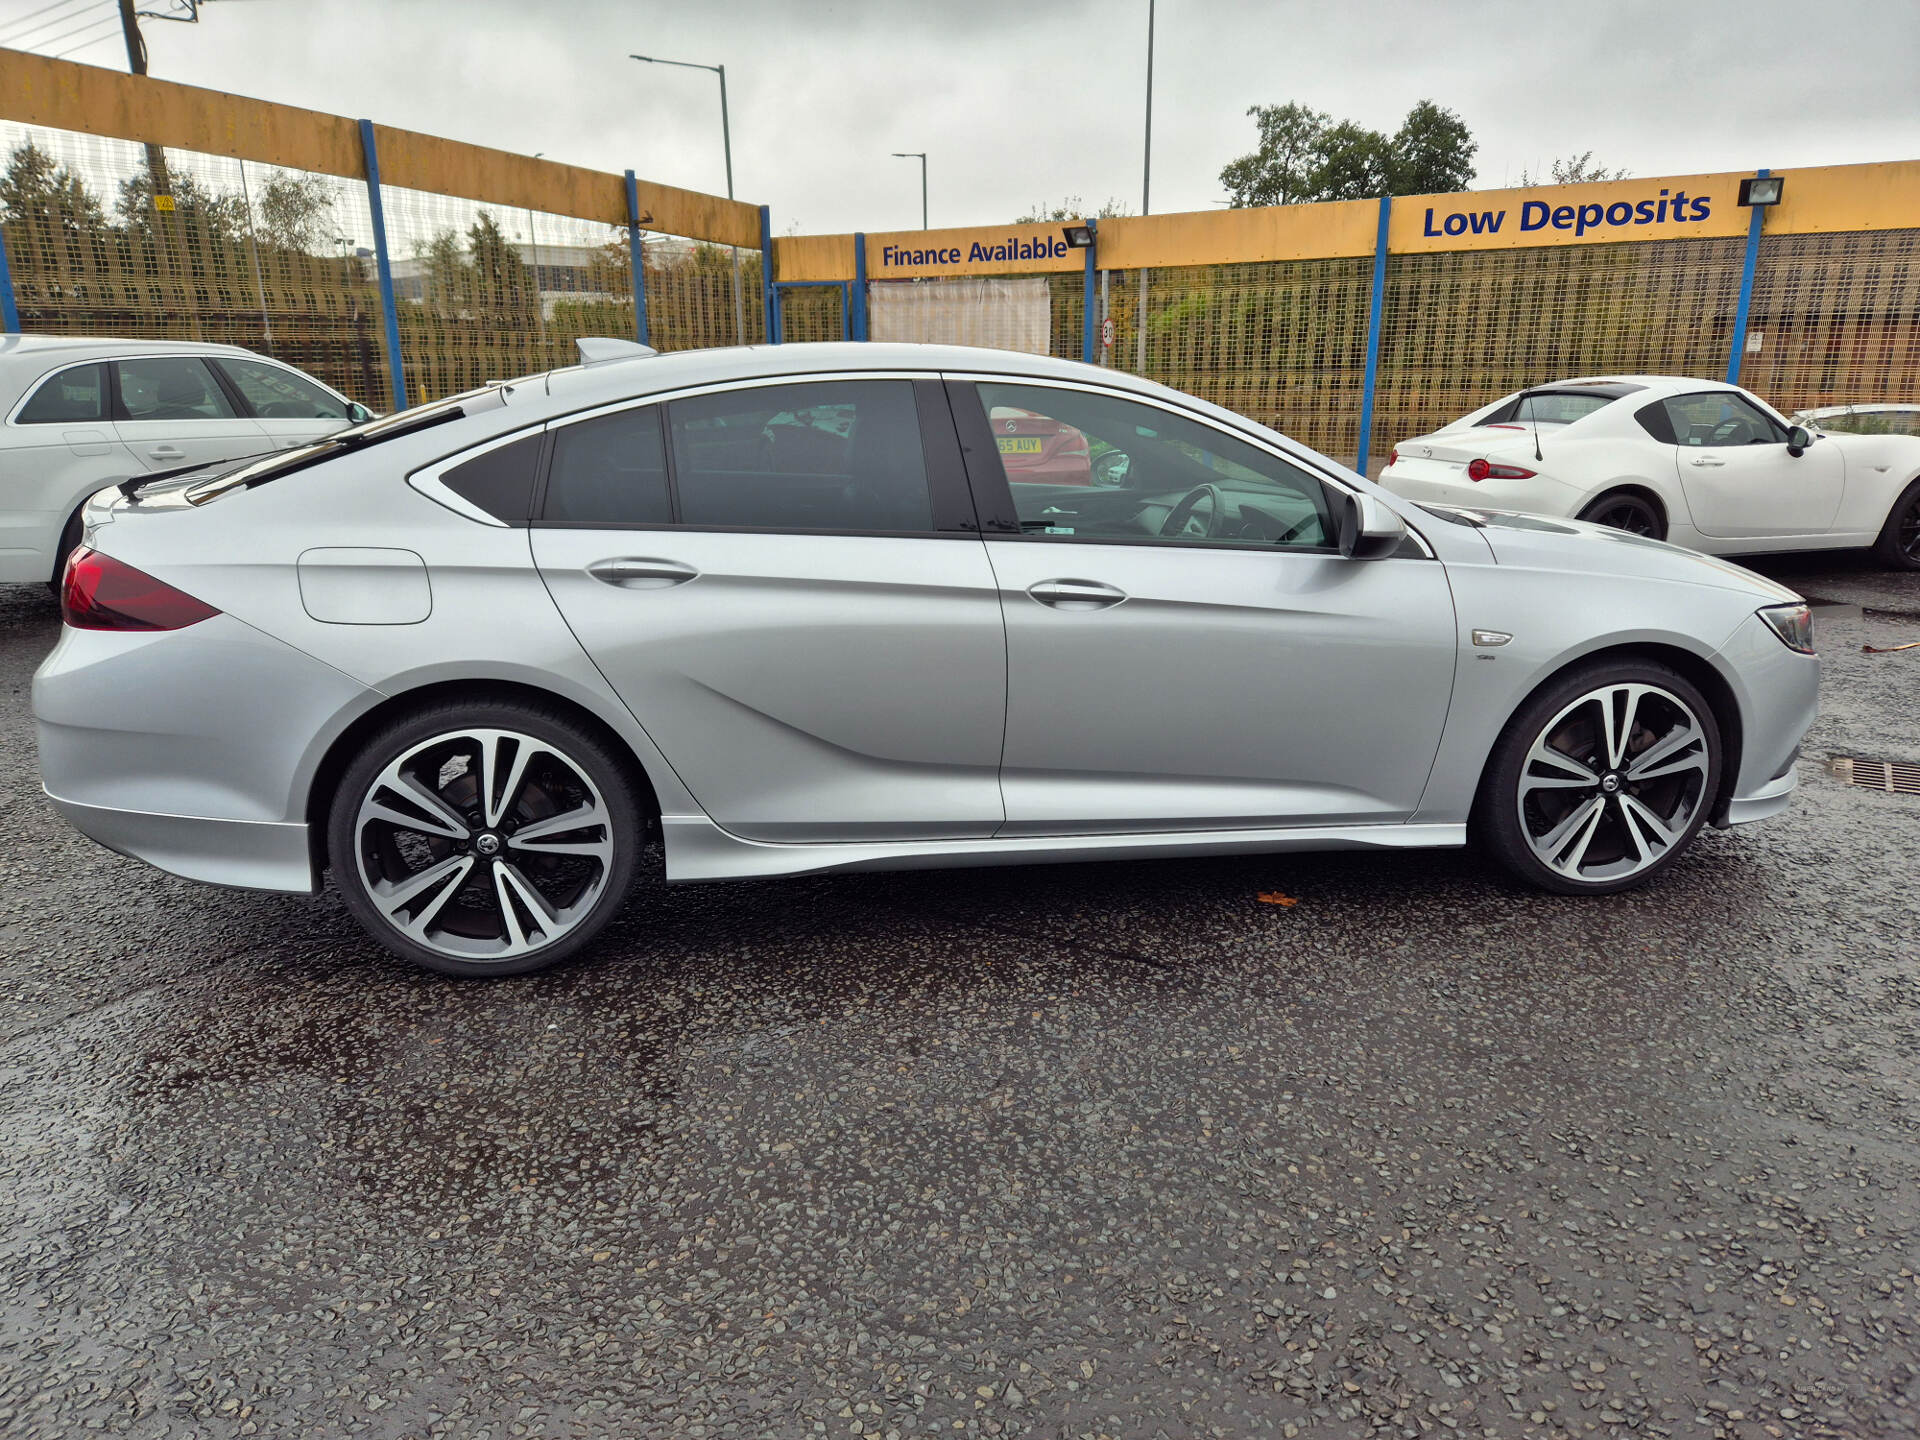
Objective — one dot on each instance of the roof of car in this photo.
(1646, 382)
(80, 346)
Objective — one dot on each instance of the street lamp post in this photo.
(726, 142)
(1146, 205)
(921, 156)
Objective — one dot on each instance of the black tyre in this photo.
(1624, 510)
(1602, 779)
(487, 838)
(1898, 547)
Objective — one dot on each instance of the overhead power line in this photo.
(66, 35)
(16, 30)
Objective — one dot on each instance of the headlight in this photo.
(1793, 624)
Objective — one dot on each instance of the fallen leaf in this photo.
(1274, 897)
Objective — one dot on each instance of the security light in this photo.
(1758, 190)
(1079, 236)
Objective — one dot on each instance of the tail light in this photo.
(1393, 456)
(1479, 469)
(99, 592)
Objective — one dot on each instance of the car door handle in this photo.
(637, 573)
(1703, 461)
(167, 452)
(1068, 594)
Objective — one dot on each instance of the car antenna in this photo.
(1537, 457)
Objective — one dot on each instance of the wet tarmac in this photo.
(1087, 1150)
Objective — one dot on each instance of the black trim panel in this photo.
(947, 487)
(992, 499)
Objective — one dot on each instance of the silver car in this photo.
(783, 610)
(79, 411)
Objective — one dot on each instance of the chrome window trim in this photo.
(715, 387)
(1310, 463)
(427, 480)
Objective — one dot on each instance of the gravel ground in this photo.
(1082, 1150)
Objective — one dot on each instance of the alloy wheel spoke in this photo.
(510, 886)
(1643, 825)
(1619, 727)
(1570, 863)
(437, 817)
(1573, 774)
(497, 794)
(1556, 840)
(1685, 748)
(450, 874)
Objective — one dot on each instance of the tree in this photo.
(40, 196)
(499, 276)
(1573, 170)
(1072, 208)
(1281, 170)
(209, 218)
(1431, 153)
(1306, 155)
(296, 212)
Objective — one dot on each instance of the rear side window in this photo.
(500, 481)
(173, 387)
(277, 394)
(78, 394)
(1653, 419)
(610, 471)
(828, 455)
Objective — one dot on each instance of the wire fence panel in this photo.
(1283, 343)
(1835, 319)
(246, 254)
(1462, 328)
(812, 313)
(691, 295)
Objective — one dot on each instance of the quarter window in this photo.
(277, 394)
(75, 395)
(1720, 418)
(825, 455)
(1093, 466)
(610, 471)
(176, 387)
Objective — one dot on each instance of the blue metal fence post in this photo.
(384, 264)
(1373, 332)
(769, 297)
(1091, 310)
(9, 312)
(1756, 215)
(859, 316)
(636, 259)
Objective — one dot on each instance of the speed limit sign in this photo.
(1106, 332)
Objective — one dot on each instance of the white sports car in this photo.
(1697, 462)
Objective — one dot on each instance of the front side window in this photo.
(277, 394)
(611, 470)
(1720, 418)
(825, 455)
(78, 394)
(174, 387)
(1094, 466)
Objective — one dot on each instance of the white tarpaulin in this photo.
(1015, 314)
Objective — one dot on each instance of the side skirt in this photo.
(698, 849)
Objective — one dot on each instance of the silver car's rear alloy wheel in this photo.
(484, 845)
(1614, 782)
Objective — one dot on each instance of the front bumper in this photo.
(1778, 691)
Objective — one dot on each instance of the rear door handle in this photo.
(1067, 594)
(1703, 461)
(167, 452)
(641, 573)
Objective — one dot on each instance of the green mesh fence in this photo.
(1835, 320)
(812, 313)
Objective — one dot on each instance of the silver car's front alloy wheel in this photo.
(483, 846)
(1614, 782)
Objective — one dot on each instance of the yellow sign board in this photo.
(977, 250)
(1677, 207)
(163, 202)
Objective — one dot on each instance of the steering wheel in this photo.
(1726, 431)
(1183, 511)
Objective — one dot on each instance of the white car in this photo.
(82, 412)
(1696, 462)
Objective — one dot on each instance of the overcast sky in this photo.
(1024, 101)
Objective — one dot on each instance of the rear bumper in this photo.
(245, 854)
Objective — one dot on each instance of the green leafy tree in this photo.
(1573, 170)
(500, 278)
(1306, 155)
(54, 219)
(296, 212)
(1431, 153)
(214, 219)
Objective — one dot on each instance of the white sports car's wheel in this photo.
(488, 839)
(1899, 542)
(1623, 510)
(1602, 779)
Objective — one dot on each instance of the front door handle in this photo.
(1066, 594)
(1703, 461)
(167, 452)
(640, 573)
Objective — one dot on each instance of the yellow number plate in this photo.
(1015, 445)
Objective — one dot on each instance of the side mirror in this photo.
(358, 414)
(1798, 439)
(1368, 529)
(1111, 468)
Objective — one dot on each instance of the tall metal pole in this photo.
(165, 221)
(1146, 205)
(726, 141)
(921, 156)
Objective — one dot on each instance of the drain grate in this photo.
(1895, 775)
